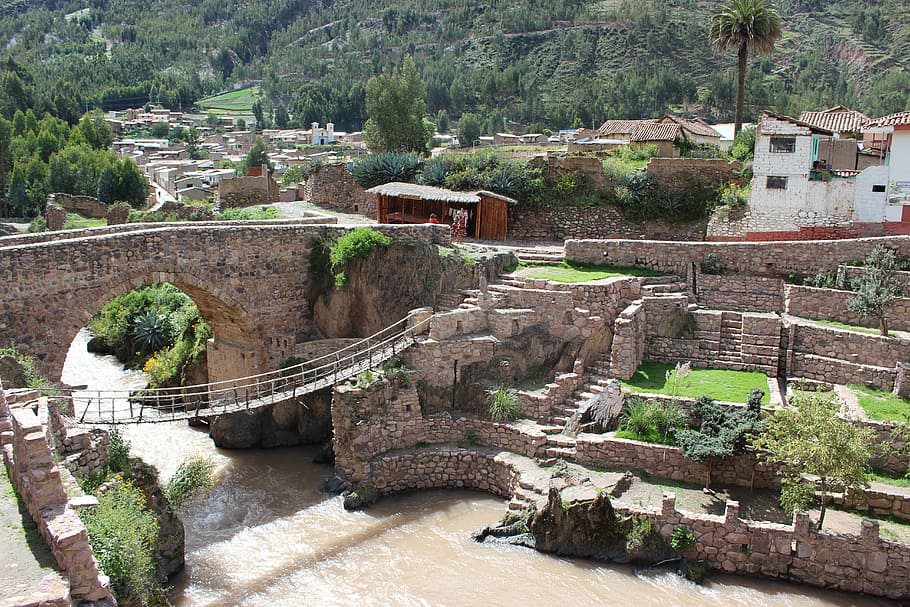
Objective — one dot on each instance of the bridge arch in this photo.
(235, 350)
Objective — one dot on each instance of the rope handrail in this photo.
(247, 392)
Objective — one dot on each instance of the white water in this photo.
(267, 537)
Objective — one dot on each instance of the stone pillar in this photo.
(731, 512)
(6, 426)
(418, 316)
(668, 505)
(801, 524)
(56, 217)
(869, 532)
(902, 383)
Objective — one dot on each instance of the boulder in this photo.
(12, 373)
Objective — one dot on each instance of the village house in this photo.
(808, 183)
(661, 132)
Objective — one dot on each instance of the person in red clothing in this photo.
(433, 218)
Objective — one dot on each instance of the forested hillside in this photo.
(521, 64)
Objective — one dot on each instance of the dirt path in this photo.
(27, 568)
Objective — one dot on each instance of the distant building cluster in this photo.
(174, 175)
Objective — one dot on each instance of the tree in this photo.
(280, 117)
(396, 111)
(106, 187)
(743, 26)
(722, 432)
(258, 114)
(258, 155)
(191, 137)
(810, 438)
(240, 123)
(130, 185)
(442, 121)
(468, 130)
(876, 287)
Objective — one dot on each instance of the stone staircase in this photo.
(663, 285)
(730, 346)
(552, 257)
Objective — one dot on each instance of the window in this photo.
(783, 145)
(776, 183)
(878, 188)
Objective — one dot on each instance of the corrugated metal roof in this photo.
(426, 192)
(898, 119)
(655, 132)
(838, 119)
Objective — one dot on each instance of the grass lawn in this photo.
(855, 328)
(581, 272)
(233, 101)
(889, 479)
(719, 384)
(881, 406)
(74, 221)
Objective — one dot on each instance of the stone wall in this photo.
(680, 174)
(740, 293)
(877, 502)
(331, 186)
(246, 191)
(719, 340)
(87, 206)
(82, 451)
(858, 348)
(846, 273)
(831, 304)
(605, 451)
(775, 259)
(370, 422)
(556, 223)
(32, 471)
(854, 563)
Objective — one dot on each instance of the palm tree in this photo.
(745, 25)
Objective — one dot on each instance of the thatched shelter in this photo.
(488, 215)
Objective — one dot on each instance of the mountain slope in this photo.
(537, 63)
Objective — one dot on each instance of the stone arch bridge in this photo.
(250, 280)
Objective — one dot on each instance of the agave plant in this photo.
(152, 331)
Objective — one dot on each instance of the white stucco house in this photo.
(809, 183)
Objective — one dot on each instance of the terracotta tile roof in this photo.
(811, 127)
(838, 119)
(656, 132)
(695, 126)
(620, 127)
(898, 119)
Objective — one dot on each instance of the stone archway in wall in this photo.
(235, 350)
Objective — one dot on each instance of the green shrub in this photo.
(38, 224)
(32, 379)
(359, 242)
(385, 167)
(118, 453)
(503, 404)
(734, 196)
(651, 421)
(796, 494)
(682, 539)
(193, 475)
(123, 533)
(645, 152)
(365, 378)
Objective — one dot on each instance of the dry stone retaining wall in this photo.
(554, 223)
(88, 206)
(775, 259)
(740, 293)
(831, 304)
(854, 563)
(606, 451)
(247, 191)
(32, 471)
